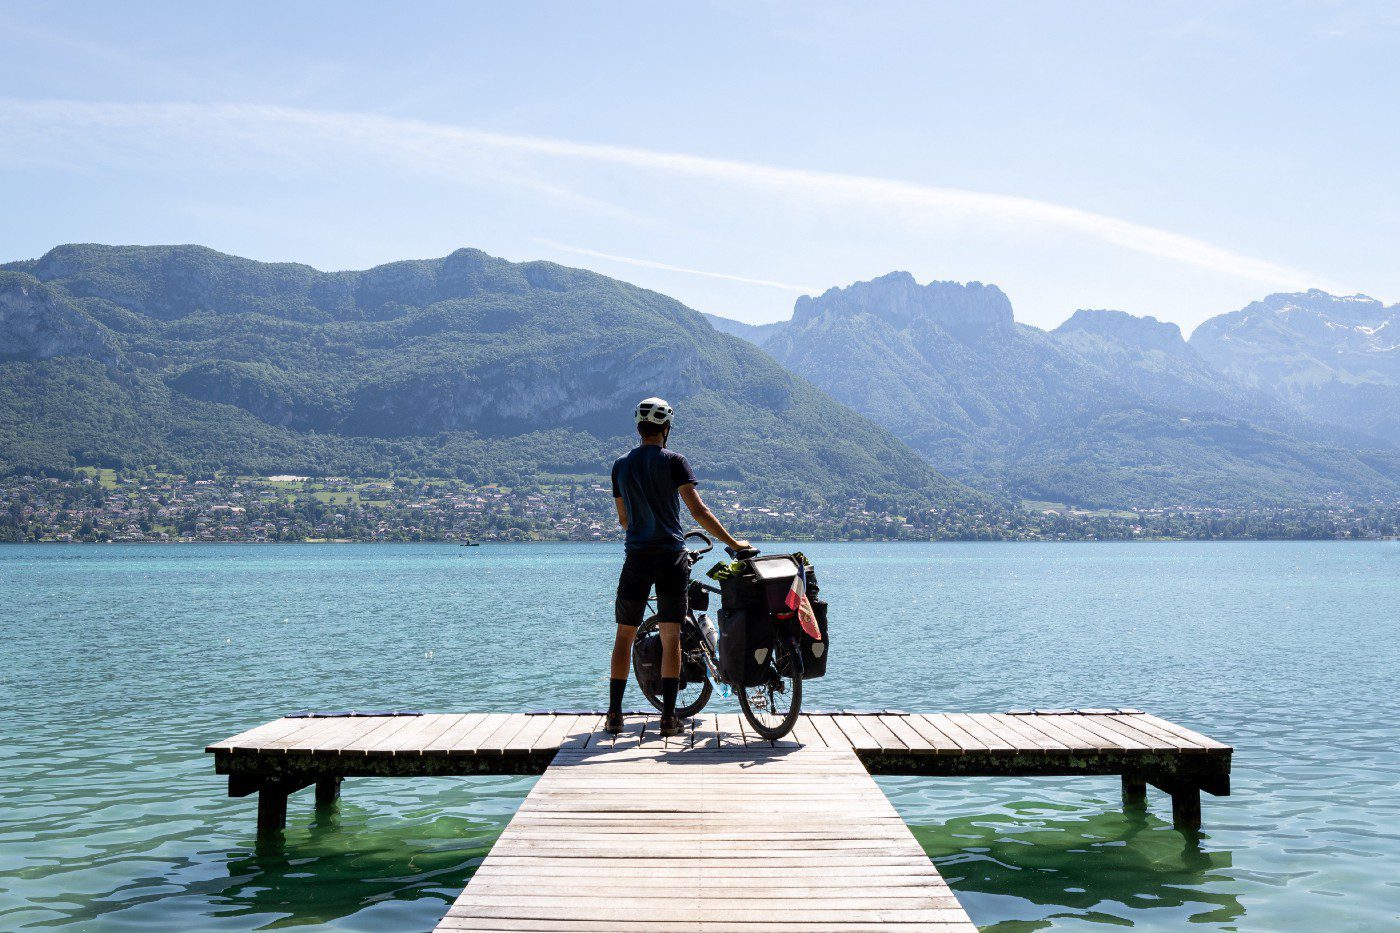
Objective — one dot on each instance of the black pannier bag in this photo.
(746, 631)
(814, 652)
(646, 658)
(733, 625)
(697, 597)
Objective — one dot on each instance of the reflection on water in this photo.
(1088, 863)
(333, 862)
(119, 664)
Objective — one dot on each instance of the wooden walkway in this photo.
(716, 829)
(680, 839)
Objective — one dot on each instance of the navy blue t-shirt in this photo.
(648, 481)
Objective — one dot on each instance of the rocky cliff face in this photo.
(37, 323)
(967, 311)
(1139, 333)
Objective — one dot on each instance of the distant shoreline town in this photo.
(101, 506)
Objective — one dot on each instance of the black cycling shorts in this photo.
(668, 571)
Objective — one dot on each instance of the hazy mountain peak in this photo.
(1336, 358)
(1356, 323)
(964, 309)
(1146, 333)
(755, 334)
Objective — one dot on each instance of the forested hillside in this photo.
(185, 359)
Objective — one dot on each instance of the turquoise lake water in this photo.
(119, 663)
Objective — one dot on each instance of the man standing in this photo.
(648, 485)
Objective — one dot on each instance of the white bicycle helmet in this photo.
(655, 410)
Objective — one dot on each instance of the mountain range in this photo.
(190, 360)
(1293, 398)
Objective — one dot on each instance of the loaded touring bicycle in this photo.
(768, 636)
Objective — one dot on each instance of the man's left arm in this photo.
(706, 519)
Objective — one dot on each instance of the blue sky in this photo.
(1173, 159)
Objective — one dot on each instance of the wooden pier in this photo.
(716, 829)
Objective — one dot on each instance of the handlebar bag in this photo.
(775, 575)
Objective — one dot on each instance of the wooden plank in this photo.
(706, 732)
(1111, 737)
(411, 739)
(1050, 727)
(555, 733)
(634, 727)
(430, 734)
(535, 726)
(1173, 729)
(469, 743)
(806, 735)
(582, 733)
(829, 731)
(253, 739)
(973, 726)
(855, 733)
(884, 737)
(310, 730)
(364, 743)
(1012, 729)
(347, 730)
(731, 730)
(452, 737)
(906, 733)
(497, 742)
(1158, 739)
(940, 741)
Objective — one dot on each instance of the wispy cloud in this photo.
(449, 149)
(651, 264)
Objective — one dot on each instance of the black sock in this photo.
(669, 686)
(616, 687)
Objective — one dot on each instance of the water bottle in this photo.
(711, 633)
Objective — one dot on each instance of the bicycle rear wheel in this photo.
(691, 699)
(772, 709)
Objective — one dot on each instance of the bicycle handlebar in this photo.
(709, 545)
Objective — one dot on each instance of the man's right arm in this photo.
(706, 519)
(617, 499)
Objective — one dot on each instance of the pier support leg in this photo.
(327, 791)
(1186, 808)
(272, 809)
(1134, 792)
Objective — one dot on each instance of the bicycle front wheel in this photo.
(696, 694)
(772, 709)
